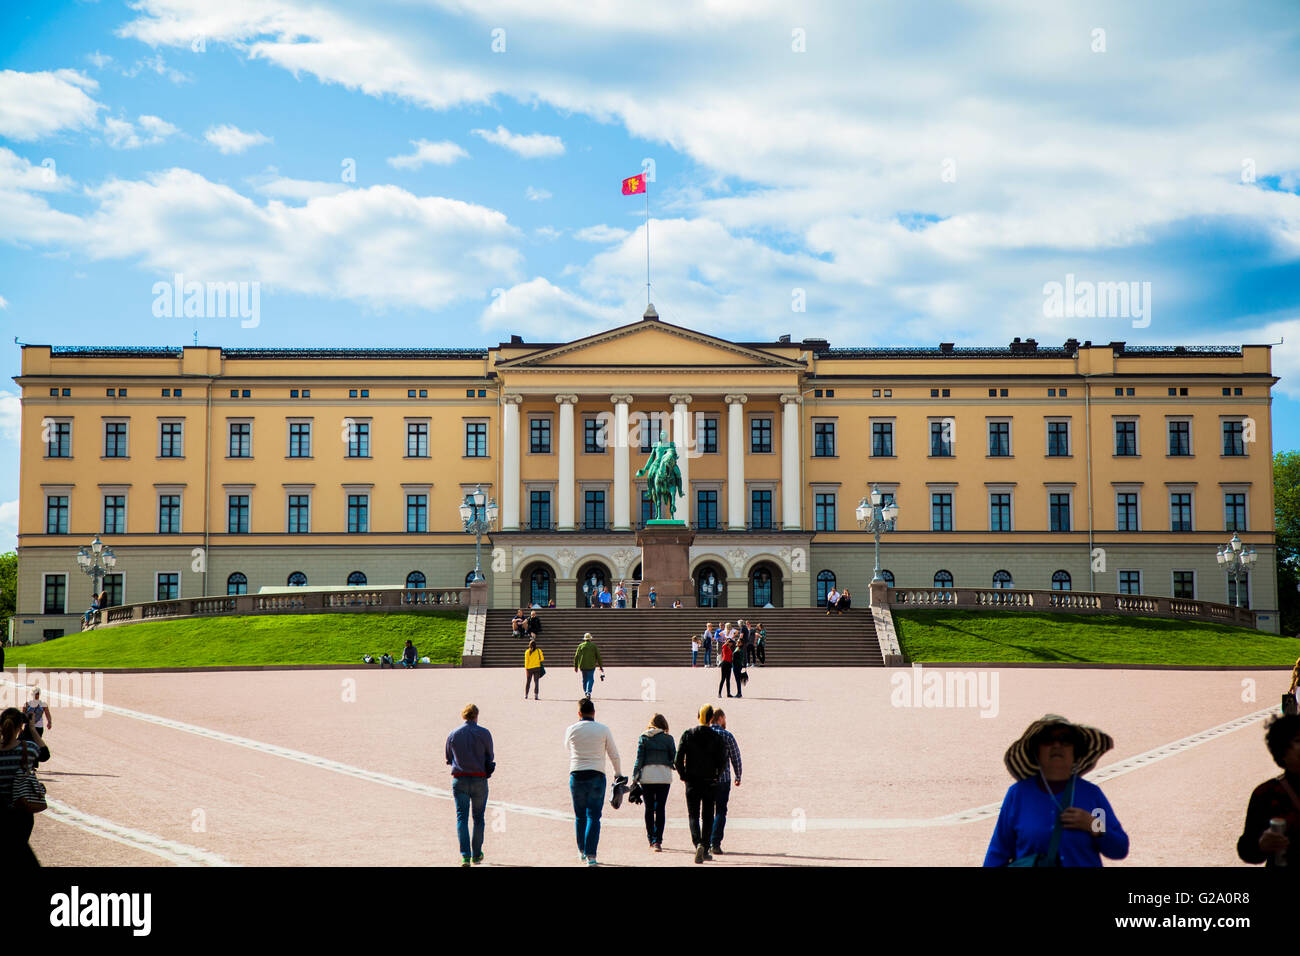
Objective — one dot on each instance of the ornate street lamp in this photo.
(96, 561)
(874, 517)
(478, 513)
(1237, 561)
(712, 589)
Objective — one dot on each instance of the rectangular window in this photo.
(1234, 511)
(1058, 512)
(60, 440)
(359, 440)
(1126, 511)
(299, 514)
(115, 439)
(708, 430)
(169, 514)
(539, 510)
(1185, 585)
(1058, 439)
(539, 436)
(300, 439)
(417, 439)
(1126, 444)
(113, 589)
(170, 444)
(1233, 442)
(593, 510)
(241, 440)
(1180, 438)
(1130, 582)
(593, 436)
(760, 436)
(358, 514)
(417, 513)
(1180, 511)
(168, 587)
(237, 514)
(114, 514)
(941, 511)
(823, 439)
(999, 439)
(941, 439)
(1000, 511)
(760, 509)
(882, 439)
(647, 507)
(56, 593)
(650, 427)
(706, 510)
(56, 514)
(824, 510)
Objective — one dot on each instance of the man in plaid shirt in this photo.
(719, 725)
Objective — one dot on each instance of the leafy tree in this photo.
(8, 590)
(1286, 504)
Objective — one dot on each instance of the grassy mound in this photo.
(251, 640)
(1014, 636)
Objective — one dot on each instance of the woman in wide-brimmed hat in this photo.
(1051, 816)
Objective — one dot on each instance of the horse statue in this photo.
(663, 478)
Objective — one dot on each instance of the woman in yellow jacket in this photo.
(533, 658)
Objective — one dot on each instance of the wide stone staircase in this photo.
(661, 637)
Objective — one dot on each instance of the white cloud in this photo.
(442, 153)
(529, 146)
(231, 139)
(537, 304)
(9, 525)
(34, 105)
(11, 415)
(99, 60)
(537, 195)
(121, 134)
(4, 303)
(156, 64)
(601, 233)
(281, 187)
(17, 173)
(549, 233)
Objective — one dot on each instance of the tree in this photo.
(8, 590)
(1286, 505)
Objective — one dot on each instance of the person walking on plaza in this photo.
(1051, 816)
(586, 659)
(655, 754)
(706, 640)
(723, 795)
(20, 750)
(760, 645)
(38, 712)
(1272, 832)
(695, 650)
(589, 743)
(533, 670)
(739, 658)
(725, 654)
(701, 755)
(472, 760)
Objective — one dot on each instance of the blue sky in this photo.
(446, 172)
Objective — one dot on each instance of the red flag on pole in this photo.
(633, 185)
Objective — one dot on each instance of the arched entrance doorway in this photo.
(536, 586)
(766, 586)
(710, 585)
(592, 576)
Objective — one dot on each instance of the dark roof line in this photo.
(1044, 352)
(171, 351)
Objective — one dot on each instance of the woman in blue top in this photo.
(1050, 797)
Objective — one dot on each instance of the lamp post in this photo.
(712, 589)
(874, 517)
(96, 560)
(1237, 561)
(478, 513)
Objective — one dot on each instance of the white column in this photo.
(736, 462)
(682, 439)
(564, 486)
(791, 446)
(510, 463)
(622, 465)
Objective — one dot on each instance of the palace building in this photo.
(1082, 466)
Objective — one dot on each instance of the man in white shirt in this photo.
(589, 743)
(39, 713)
(832, 599)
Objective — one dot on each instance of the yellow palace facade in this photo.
(212, 470)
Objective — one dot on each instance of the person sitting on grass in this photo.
(409, 656)
(386, 660)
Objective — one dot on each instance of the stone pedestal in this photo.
(666, 562)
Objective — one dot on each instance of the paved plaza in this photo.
(340, 768)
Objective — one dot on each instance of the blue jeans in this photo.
(695, 655)
(720, 813)
(588, 681)
(708, 655)
(470, 792)
(588, 789)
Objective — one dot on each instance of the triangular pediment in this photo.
(649, 343)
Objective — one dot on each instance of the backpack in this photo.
(703, 753)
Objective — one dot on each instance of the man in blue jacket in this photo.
(472, 760)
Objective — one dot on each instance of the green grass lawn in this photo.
(1011, 636)
(251, 639)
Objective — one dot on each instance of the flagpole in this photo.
(647, 244)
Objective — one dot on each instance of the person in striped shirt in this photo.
(20, 744)
(719, 725)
